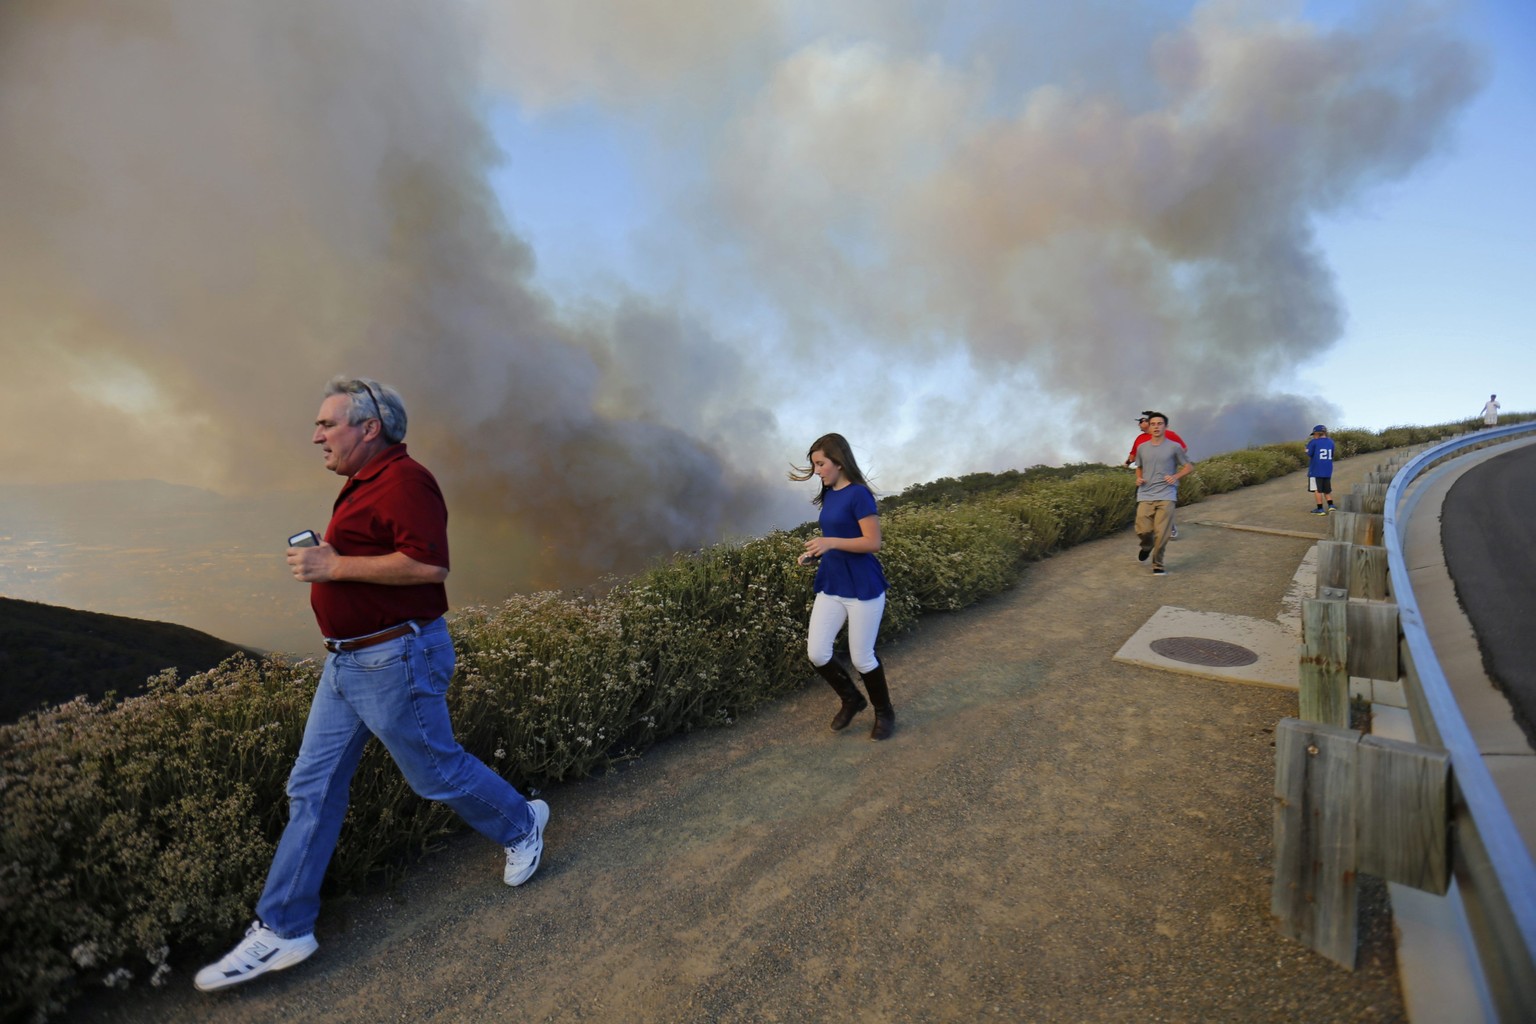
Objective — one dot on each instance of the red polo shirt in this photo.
(1144, 437)
(392, 504)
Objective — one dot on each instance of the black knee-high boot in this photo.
(880, 697)
(853, 701)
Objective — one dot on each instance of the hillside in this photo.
(50, 654)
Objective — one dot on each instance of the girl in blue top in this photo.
(849, 585)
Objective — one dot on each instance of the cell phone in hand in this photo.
(306, 539)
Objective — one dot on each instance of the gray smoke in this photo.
(968, 239)
(208, 208)
(1135, 237)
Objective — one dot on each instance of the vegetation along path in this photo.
(1050, 836)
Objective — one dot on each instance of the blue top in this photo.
(1320, 456)
(843, 573)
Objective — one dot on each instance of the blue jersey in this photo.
(1320, 457)
(843, 573)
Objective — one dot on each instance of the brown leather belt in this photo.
(393, 633)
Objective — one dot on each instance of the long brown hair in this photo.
(840, 453)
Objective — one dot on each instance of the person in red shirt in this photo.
(1143, 438)
(377, 588)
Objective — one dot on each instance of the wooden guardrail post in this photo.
(1358, 527)
(1313, 893)
(1403, 790)
(1352, 566)
(1368, 572)
(1333, 568)
(1324, 693)
(1371, 634)
(1346, 803)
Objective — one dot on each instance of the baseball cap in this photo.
(1319, 429)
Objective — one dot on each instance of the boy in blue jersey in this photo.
(1320, 469)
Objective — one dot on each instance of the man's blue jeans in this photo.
(397, 691)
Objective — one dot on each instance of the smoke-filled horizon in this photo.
(968, 241)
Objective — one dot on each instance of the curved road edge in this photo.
(1440, 978)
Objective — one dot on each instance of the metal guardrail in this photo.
(1494, 870)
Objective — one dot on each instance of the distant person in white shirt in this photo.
(1491, 412)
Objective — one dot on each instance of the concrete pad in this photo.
(1392, 722)
(1440, 981)
(1382, 692)
(1303, 586)
(1486, 710)
(1276, 646)
(1438, 604)
(1421, 541)
(1389, 692)
(1515, 775)
(1441, 984)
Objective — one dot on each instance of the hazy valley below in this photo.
(164, 552)
(172, 553)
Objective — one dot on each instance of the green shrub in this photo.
(1040, 525)
(1349, 443)
(980, 546)
(1260, 464)
(1212, 476)
(134, 826)
(1222, 473)
(1108, 500)
(949, 490)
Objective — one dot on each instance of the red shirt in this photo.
(392, 504)
(1145, 437)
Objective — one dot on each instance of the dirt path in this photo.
(1051, 836)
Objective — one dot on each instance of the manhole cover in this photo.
(1194, 650)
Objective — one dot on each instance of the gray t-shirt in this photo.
(1157, 461)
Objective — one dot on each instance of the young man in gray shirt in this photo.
(1160, 465)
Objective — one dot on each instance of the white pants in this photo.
(827, 617)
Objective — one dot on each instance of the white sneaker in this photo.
(523, 855)
(261, 950)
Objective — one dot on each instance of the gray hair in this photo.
(370, 400)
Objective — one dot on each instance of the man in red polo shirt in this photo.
(376, 585)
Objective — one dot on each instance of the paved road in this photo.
(1488, 534)
(1051, 836)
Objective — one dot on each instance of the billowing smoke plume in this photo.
(1063, 213)
(1132, 243)
(210, 208)
(969, 239)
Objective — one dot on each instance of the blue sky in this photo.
(1432, 267)
(1438, 270)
